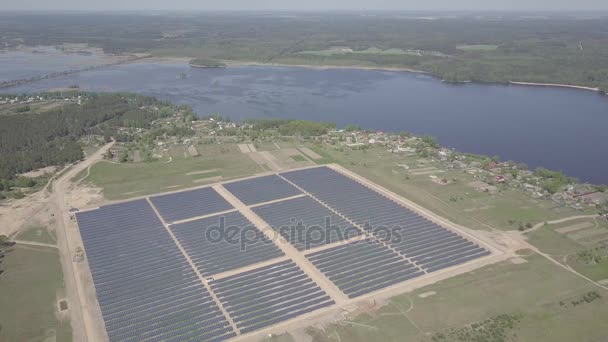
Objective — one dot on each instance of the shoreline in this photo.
(206, 67)
(237, 63)
(557, 85)
(233, 63)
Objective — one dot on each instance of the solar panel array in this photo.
(224, 242)
(425, 242)
(149, 291)
(362, 267)
(146, 289)
(269, 295)
(319, 225)
(262, 189)
(189, 204)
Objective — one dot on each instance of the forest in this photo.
(484, 47)
(32, 140)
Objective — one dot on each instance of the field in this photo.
(37, 234)
(121, 181)
(29, 291)
(580, 244)
(538, 292)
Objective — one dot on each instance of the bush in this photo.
(24, 182)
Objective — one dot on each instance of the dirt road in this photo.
(83, 324)
(562, 220)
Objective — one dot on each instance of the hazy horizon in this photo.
(311, 5)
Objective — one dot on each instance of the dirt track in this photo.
(85, 315)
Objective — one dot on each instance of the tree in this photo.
(430, 141)
(24, 182)
(352, 128)
(123, 157)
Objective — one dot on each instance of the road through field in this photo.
(562, 220)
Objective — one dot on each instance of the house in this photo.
(500, 179)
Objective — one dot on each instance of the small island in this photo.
(206, 63)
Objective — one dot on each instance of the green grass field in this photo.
(588, 256)
(120, 181)
(538, 291)
(37, 234)
(30, 286)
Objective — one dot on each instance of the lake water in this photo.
(560, 129)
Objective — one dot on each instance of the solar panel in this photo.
(189, 204)
(145, 287)
(305, 223)
(363, 266)
(224, 242)
(262, 189)
(426, 243)
(268, 295)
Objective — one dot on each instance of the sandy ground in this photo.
(30, 211)
(39, 172)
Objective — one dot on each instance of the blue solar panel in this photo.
(189, 204)
(305, 223)
(362, 267)
(224, 242)
(409, 233)
(262, 189)
(145, 287)
(268, 295)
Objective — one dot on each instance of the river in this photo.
(560, 129)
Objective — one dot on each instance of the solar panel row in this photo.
(425, 242)
(363, 266)
(146, 289)
(269, 295)
(262, 189)
(433, 248)
(189, 204)
(305, 223)
(224, 242)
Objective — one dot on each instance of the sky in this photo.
(414, 5)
